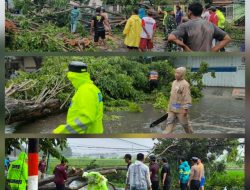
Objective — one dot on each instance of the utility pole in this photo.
(33, 164)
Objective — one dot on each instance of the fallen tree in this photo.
(76, 175)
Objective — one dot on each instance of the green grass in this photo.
(83, 162)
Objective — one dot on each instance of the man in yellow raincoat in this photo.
(132, 31)
(96, 181)
(179, 103)
(18, 173)
(86, 111)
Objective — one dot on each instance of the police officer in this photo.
(18, 173)
(86, 111)
(96, 181)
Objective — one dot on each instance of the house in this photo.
(229, 70)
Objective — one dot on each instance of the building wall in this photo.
(229, 71)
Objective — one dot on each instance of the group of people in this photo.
(201, 29)
(196, 32)
(156, 175)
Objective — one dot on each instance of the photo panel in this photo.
(124, 26)
(120, 163)
(116, 95)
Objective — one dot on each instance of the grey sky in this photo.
(81, 146)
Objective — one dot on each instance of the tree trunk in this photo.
(19, 110)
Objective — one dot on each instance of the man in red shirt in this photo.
(154, 170)
(60, 173)
(42, 166)
(213, 16)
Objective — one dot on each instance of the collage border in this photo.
(137, 135)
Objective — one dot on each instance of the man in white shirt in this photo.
(148, 31)
(138, 176)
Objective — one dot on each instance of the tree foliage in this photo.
(48, 146)
(208, 150)
(119, 78)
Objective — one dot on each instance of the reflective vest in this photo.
(86, 111)
(153, 75)
(221, 19)
(96, 181)
(18, 173)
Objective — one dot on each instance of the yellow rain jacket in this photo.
(132, 30)
(221, 19)
(86, 111)
(18, 173)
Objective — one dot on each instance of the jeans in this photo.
(73, 26)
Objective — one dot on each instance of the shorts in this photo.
(146, 43)
(99, 34)
(202, 183)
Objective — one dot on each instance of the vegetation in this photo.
(208, 150)
(123, 81)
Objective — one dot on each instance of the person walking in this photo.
(132, 31)
(154, 170)
(86, 110)
(18, 173)
(179, 103)
(197, 34)
(138, 176)
(165, 174)
(75, 13)
(97, 28)
(60, 175)
(184, 172)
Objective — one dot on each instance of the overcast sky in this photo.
(110, 145)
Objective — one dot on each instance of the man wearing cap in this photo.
(128, 160)
(165, 174)
(179, 103)
(86, 110)
(197, 34)
(170, 25)
(154, 170)
(195, 175)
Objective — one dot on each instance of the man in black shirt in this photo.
(128, 160)
(165, 174)
(97, 27)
